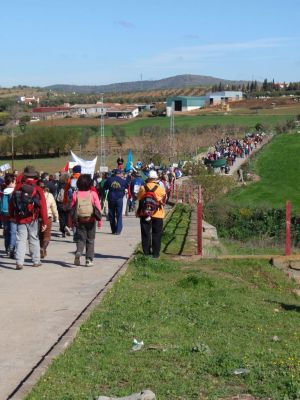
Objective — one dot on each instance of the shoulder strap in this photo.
(151, 190)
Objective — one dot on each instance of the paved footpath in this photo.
(39, 304)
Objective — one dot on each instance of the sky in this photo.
(96, 42)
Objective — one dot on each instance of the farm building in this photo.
(226, 96)
(87, 110)
(185, 103)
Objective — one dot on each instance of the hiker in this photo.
(135, 186)
(45, 236)
(116, 186)
(120, 162)
(70, 188)
(27, 205)
(62, 212)
(9, 225)
(151, 213)
(84, 202)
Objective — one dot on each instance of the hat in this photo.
(153, 174)
(30, 172)
(77, 169)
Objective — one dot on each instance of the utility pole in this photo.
(102, 139)
(172, 133)
(12, 150)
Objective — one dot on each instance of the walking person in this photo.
(27, 205)
(62, 212)
(9, 224)
(83, 202)
(151, 198)
(45, 236)
(116, 186)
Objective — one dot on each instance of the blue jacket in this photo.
(116, 187)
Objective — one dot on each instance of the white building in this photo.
(226, 96)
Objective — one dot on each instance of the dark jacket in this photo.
(116, 187)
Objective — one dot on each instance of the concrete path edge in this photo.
(63, 342)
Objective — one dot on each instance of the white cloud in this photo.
(196, 54)
(125, 24)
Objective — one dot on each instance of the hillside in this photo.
(179, 81)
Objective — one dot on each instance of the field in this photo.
(211, 329)
(279, 170)
(133, 127)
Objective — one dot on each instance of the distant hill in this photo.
(179, 81)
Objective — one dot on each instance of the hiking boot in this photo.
(12, 255)
(89, 262)
(37, 265)
(68, 231)
(18, 266)
(77, 259)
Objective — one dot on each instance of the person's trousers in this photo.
(62, 215)
(115, 215)
(45, 236)
(10, 231)
(28, 232)
(85, 238)
(151, 232)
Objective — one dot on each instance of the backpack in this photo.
(4, 202)
(73, 187)
(149, 204)
(60, 194)
(25, 201)
(84, 207)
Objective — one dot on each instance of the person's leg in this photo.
(34, 243)
(21, 240)
(111, 215)
(6, 234)
(119, 211)
(12, 239)
(90, 240)
(157, 228)
(62, 218)
(47, 237)
(80, 242)
(146, 236)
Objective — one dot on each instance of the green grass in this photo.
(176, 230)
(199, 321)
(279, 169)
(134, 127)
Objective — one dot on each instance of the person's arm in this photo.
(74, 199)
(141, 193)
(95, 200)
(54, 208)
(43, 208)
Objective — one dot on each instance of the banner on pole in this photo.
(5, 167)
(87, 167)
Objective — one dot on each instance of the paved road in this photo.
(39, 304)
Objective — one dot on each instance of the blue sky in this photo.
(96, 42)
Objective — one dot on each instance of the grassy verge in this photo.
(176, 229)
(279, 169)
(211, 329)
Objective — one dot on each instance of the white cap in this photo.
(153, 174)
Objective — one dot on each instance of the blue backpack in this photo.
(4, 203)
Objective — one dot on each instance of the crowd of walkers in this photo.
(230, 149)
(31, 201)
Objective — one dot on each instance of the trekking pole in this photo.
(288, 228)
(199, 222)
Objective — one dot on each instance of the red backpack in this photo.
(149, 204)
